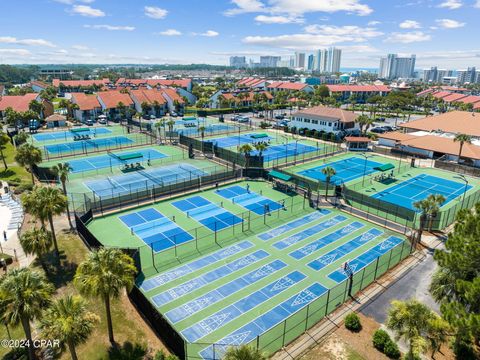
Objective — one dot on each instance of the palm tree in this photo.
(424, 207)
(37, 242)
(36, 107)
(260, 147)
(69, 321)
(243, 352)
(328, 171)
(4, 140)
(462, 139)
(44, 203)
(364, 121)
(202, 129)
(28, 156)
(246, 149)
(436, 201)
(170, 124)
(23, 294)
(410, 320)
(61, 171)
(105, 273)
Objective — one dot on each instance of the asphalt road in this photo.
(413, 285)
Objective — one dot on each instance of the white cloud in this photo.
(70, 2)
(88, 11)
(298, 7)
(410, 24)
(80, 47)
(449, 23)
(15, 52)
(477, 4)
(278, 19)
(208, 33)
(155, 12)
(408, 37)
(354, 33)
(170, 32)
(110, 27)
(373, 23)
(451, 4)
(245, 6)
(28, 42)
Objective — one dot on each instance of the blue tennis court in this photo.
(185, 310)
(419, 188)
(106, 161)
(249, 200)
(229, 141)
(195, 265)
(144, 179)
(155, 229)
(209, 324)
(207, 213)
(65, 135)
(275, 152)
(266, 321)
(206, 279)
(366, 258)
(87, 145)
(346, 170)
(209, 129)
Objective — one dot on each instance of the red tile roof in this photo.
(425, 92)
(328, 112)
(455, 122)
(183, 83)
(440, 94)
(39, 84)
(85, 102)
(148, 96)
(471, 99)
(358, 88)
(172, 94)
(357, 139)
(287, 85)
(455, 97)
(112, 98)
(18, 103)
(443, 145)
(250, 82)
(78, 83)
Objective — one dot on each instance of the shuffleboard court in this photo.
(143, 179)
(207, 213)
(346, 170)
(420, 187)
(249, 200)
(155, 229)
(87, 145)
(109, 160)
(59, 135)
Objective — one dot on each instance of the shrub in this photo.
(391, 350)
(380, 338)
(352, 322)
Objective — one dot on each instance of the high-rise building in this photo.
(269, 61)
(468, 75)
(238, 62)
(300, 60)
(435, 75)
(393, 67)
(310, 62)
(328, 60)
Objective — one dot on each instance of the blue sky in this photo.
(440, 32)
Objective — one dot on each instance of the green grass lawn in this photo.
(14, 173)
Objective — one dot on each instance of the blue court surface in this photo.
(420, 187)
(237, 140)
(155, 229)
(249, 200)
(143, 179)
(346, 170)
(209, 129)
(85, 146)
(106, 161)
(208, 214)
(275, 152)
(66, 135)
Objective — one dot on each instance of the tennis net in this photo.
(243, 197)
(149, 225)
(113, 155)
(152, 178)
(202, 210)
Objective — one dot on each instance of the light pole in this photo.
(462, 177)
(295, 155)
(286, 148)
(365, 166)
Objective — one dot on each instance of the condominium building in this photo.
(393, 67)
(238, 62)
(269, 61)
(436, 75)
(328, 60)
(300, 60)
(469, 75)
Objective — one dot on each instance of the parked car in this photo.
(243, 119)
(279, 117)
(378, 130)
(381, 119)
(89, 122)
(389, 128)
(173, 114)
(102, 121)
(261, 116)
(235, 117)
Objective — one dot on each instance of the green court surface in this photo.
(269, 288)
(112, 231)
(281, 147)
(67, 134)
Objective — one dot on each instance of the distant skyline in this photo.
(440, 32)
